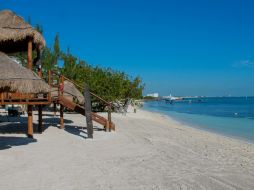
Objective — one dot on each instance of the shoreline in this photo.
(148, 151)
(203, 127)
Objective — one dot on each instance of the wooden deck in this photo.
(56, 96)
(28, 99)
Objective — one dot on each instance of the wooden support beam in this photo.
(30, 54)
(49, 83)
(2, 98)
(88, 108)
(25, 102)
(109, 117)
(37, 63)
(30, 107)
(107, 126)
(61, 116)
(30, 121)
(40, 119)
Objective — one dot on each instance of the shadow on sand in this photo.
(19, 126)
(16, 126)
(8, 142)
(79, 130)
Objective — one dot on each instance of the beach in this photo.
(147, 151)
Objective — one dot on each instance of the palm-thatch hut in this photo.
(16, 35)
(15, 78)
(14, 30)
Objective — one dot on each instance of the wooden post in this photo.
(88, 113)
(37, 62)
(107, 126)
(49, 83)
(2, 98)
(30, 54)
(40, 118)
(61, 116)
(109, 117)
(30, 121)
(60, 94)
(30, 107)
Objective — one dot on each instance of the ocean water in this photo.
(229, 116)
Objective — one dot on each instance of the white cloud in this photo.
(244, 63)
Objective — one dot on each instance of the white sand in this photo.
(148, 151)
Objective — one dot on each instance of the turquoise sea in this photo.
(229, 116)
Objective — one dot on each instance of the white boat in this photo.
(172, 98)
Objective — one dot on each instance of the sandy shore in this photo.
(148, 151)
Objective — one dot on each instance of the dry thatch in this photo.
(70, 89)
(16, 78)
(14, 29)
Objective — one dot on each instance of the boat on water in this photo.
(171, 98)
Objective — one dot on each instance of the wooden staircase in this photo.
(59, 98)
(80, 109)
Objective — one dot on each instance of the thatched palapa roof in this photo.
(70, 89)
(16, 78)
(14, 29)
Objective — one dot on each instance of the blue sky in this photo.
(178, 47)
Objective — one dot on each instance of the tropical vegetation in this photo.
(107, 83)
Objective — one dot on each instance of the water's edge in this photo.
(185, 123)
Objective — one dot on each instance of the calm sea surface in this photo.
(229, 116)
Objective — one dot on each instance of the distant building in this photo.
(155, 95)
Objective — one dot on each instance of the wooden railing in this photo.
(60, 81)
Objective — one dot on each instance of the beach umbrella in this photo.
(16, 78)
(15, 33)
